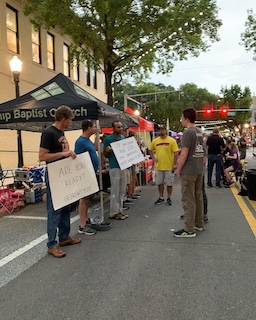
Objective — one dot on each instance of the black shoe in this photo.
(128, 202)
(184, 234)
(169, 201)
(218, 186)
(209, 185)
(159, 201)
(125, 208)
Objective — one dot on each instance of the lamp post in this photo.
(16, 67)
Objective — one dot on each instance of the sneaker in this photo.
(125, 208)
(159, 201)
(56, 252)
(128, 201)
(169, 201)
(184, 234)
(218, 186)
(133, 198)
(137, 195)
(209, 185)
(87, 231)
(199, 228)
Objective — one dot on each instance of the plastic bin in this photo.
(251, 183)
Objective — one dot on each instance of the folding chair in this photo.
(5, 174)
(9, 200)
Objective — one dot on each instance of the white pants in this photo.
(118, 190)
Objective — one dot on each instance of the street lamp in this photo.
(16, 67)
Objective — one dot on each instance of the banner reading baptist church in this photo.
(127, 152)
(71, 179)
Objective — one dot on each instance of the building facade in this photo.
(44, 54)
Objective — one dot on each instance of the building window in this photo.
(66, 66)
(87, 76)
(12, 29)
(50, 52)
(36, 45)
(76, 70)
(94, 79)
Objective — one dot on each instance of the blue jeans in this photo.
(214, 159)
(56, 219)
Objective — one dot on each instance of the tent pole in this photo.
(100, 170)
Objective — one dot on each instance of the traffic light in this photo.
(224, 111)
(208, 111)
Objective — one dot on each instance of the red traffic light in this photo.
(208, 111)
(224, 111)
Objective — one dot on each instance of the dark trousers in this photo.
(214, 159)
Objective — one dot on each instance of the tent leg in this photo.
(100, 172)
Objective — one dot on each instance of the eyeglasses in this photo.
(119, 127)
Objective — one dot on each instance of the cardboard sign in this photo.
(71, 179)
(127, 152)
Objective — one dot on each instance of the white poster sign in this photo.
(127, 152)
(71, 179)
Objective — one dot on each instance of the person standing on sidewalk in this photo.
(83, 144)
(242, 146)
(190, 169)
(164, 151)
(54, 146)
(215, 147)
(117, 176)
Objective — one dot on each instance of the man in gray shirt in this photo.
(190, 170)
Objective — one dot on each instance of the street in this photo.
(138, 269)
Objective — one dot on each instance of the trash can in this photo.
(251, 183)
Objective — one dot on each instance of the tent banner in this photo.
(39, 115)
(71, 179)
(127, 152)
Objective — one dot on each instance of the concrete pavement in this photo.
(137, 270)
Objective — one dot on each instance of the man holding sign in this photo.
(83, 144)
(117, 176)
(54, 146)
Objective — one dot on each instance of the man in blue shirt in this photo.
(117, 176)
(83, 144)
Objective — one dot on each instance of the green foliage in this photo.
(249, 36)
(236, 98)
(130, 37)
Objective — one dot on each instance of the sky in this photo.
(226, 63)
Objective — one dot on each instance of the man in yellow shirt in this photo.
(164, 151)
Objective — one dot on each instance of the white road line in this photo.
(26, 217)
(29, 246)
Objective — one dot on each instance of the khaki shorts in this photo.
(164, 177)
(128, 175)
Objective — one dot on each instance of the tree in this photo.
(236, 98)
(130, 36)
(249, 36)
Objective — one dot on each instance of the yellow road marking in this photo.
(246, 211)
(253, 203)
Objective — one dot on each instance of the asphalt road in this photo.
(137, 270)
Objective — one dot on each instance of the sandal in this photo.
(125, 215)
(118, 216)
